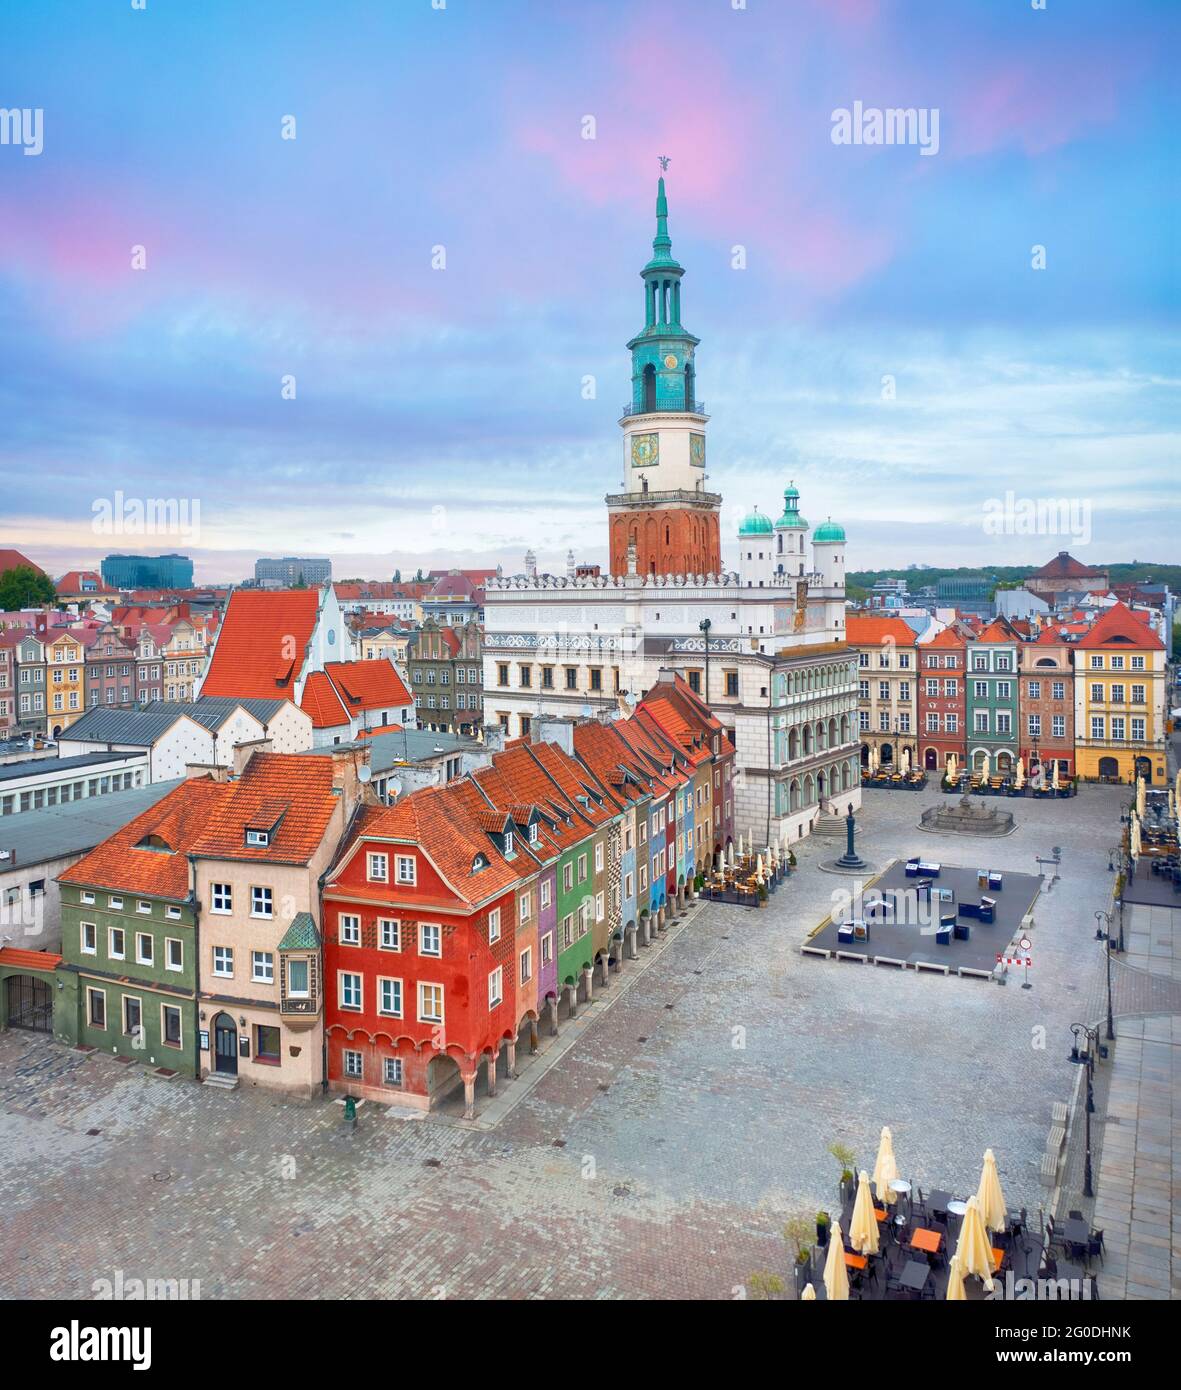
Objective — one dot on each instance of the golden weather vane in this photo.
(663, 162)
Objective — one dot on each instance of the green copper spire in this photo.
(663, 369)
(662, 246)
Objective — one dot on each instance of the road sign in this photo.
(1025, 943)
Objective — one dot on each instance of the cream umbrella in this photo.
(863, 1229)
(1054, 782)
(905, 761)
(1020, 776)
(955, 1280)
(1140, 797)
(809, 1294)
(759, 869)
(953, 768)
(885, 1170)
(986, 765)
(973, 1248)
(1135, 838)
(1172, 805)
(1177, 790)
(836, 1276)
(740, 854)
(989, 1195)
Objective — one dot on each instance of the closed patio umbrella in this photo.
(740, 854)
(873, 757)
(1020, 778)
(953, 768)
(973, 1249)
(986, 766)
(809, 1294)
(1134, 845)
(863, 1229)
(905, 761)
(1054, 780)
(836, 1276)
(885, 1170)
(989, 1196)
(955, 1280)
(1140, 797)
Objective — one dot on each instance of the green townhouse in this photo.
(992, 715)
(130, 937)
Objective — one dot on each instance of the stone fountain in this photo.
(967, 818)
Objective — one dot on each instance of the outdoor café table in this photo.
(924, 1239)
(914, 1277)
(938, 1201)
(1075, 1232)
(957, 1208)
(855, 1261)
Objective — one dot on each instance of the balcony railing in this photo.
(694, 407)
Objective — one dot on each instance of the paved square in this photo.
(662, 1167)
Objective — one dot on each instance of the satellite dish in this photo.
(364, 773)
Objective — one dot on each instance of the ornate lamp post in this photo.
(1086, 1056)
(703, 627)
(1105, 936)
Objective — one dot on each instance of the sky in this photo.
(398, 338)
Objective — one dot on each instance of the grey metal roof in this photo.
(73, 828)
(39, 767)
(144, 726)
(401, 746)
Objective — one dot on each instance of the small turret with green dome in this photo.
(828, 530)
(791, 520)
(754, 523)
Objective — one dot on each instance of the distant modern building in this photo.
(970, 593)
(290, 570)
(148, 571)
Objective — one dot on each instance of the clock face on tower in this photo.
(645, 450)
(697, 450)
(670, 361)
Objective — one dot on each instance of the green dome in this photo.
(755, 524)
(791, 520)
(828, 531)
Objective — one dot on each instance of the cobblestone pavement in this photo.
(662, 1167)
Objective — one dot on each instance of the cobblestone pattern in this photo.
(662, 1167)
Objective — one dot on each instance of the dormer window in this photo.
(508, 842)
(481, 861)
(260, 838)
(532, 832)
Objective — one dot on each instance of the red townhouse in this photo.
(420, 958)
(942, 699)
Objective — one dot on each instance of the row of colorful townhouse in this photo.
(1087, 698)
(459, 918)
(274, 924)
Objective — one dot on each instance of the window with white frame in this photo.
(350, 989)
(262, 967)
(223, 961)
(600, 911)
(116, 943)
(389, 934)
(261, 901)
(496, 987)
(391, 1071)
(526, 965)
(174, 953)
(546, 892)
(354, 1064)
(221, 897)
(494, 925)
(389, 997)
(430, 1002)
(525, 907)
(547, 948)
(145, 948)
(404, 867)
(350, 929)
(430, 939)
(599, 857)
(377, 867)
(1058, 725)
(89, 938)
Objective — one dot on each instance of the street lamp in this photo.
(703, 627)
(1086, 1055)
(1105, 936)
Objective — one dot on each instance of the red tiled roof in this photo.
(179, 819)
(321, 701)
(371, 684)
(1120, 627)
(294, 789)
(28, 960)
(872, 632)
(947, 637)
(13, 559)
(1065, 566)
(71, 583)
(262, 643)
(999, 630)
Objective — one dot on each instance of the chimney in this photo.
(554, 729)
(243, 752)
(347, 762)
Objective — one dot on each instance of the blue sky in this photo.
(440, 415)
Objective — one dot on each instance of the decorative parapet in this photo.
(548, 583)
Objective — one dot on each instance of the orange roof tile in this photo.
(262, 642)
(290, 791)
(124, 862)
(321, 701)
(28, 960)
(872, 632)
(371, 684)
(1121, 627)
